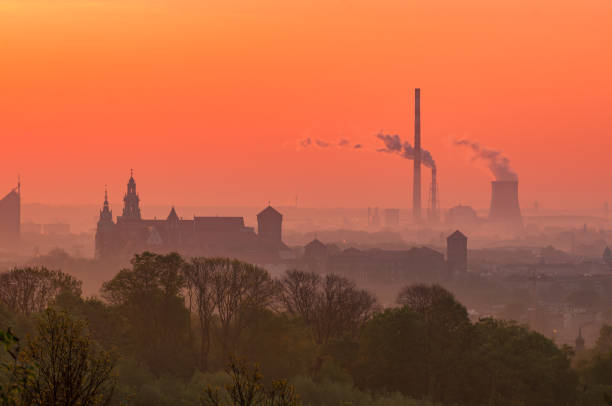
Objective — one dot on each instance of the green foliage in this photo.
(519, 366)
(149, 298)
(391, 354)
(330, 393)
(279, 343)
(69, 368)
(247, 389)
(166, 316)
(14, 376)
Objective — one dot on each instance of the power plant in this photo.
(416, 185)
(505, 203)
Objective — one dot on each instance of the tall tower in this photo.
(105, 231)
(131, 208)
(10, 216)
(456, 252)
(416, 184)
(433, 215)
(269, 225)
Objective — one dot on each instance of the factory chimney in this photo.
(416, 185)
(433, 214)
(504, 203)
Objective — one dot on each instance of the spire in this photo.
(172, 216)
(131, 208)
(19, 184)
(106, 214)
(579, 341)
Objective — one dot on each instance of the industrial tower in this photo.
(416, 184)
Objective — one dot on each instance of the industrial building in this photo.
(505, 208)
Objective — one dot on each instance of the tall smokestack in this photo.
(416, 184)
(433, 197)
(505, 203)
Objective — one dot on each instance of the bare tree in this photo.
(31, 290)
(331, 306)
(200, 277)
(239, 288)
(298, 293)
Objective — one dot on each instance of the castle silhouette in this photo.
(200, 236)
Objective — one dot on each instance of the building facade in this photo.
(200, 236)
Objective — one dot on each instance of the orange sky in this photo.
(207, 101)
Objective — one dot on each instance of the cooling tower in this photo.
(504, 203)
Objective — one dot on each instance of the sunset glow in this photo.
(208, 101)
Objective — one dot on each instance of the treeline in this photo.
(167, 328)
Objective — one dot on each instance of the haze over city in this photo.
(305, 203)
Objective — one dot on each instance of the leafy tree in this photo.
(14, 375)
(392, 353)
(247, 389)
(70, 369)
(447, 334)
(519, 366)
(150, 299)
(604, 341)
(279, 343)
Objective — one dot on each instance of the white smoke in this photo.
(394, 145)
(495, 160)
(342, 143)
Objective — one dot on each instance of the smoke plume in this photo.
(394, 145)
(305, 143)
(495, 160)
(342, 143)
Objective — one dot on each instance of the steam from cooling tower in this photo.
(495, 160)
(394, 145)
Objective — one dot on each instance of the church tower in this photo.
(269, 226)
(105, 230)
(131, 208)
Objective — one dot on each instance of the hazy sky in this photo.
(207, 101)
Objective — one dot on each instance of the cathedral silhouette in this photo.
(200, 236)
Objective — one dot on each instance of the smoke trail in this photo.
(342, 143)
(394, 145)
(495, 160)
